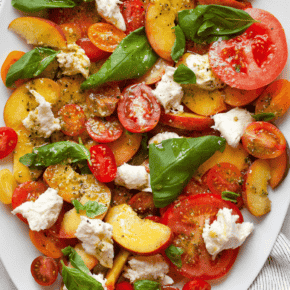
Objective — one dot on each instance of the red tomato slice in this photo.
(134, 14)
(72, 120)
(103, 166)
(44, 270)
(27, 191)
(8, 141)
(196, 284)
(104, 130)
(253, 59)
(124, 286)
(264, 140)
(138, 109)
(186, 218)
(142, 202)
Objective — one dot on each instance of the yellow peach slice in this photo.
(7, 185)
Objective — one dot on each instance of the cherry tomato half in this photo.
(142, 202)
(124, 286)
(44, 270)
(196, 284)
(138, 109)
(263, 140)
(8, 141)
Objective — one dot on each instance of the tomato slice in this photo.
(103, 166)
(124, 286)
(264, 140)
(186, 218)
(27, 191)
(72, 120)
(142, 202)
(134, 14)
(253, 59)
(44, 270)
(197, 284)
(105, 36)
(138, 109)
(8, 141)
(104, 130)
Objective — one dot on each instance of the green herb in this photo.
(174, 254)
(179, 44)
(55, 153)
(230, 196)
(173, 163)
(30, 65)
(264, 116)
(92, 208)
(208, 23)
(147, 285)
(131, 59)
(184, 75)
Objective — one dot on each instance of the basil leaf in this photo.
(147, 285)
(75, 279)
(264, 116)
(75, 259)
(30, 65)
(184, 75)
(55, 153)
(208, 23)
(131, 59)
(78, 206)
(37, 5)
(173, 163)
(179, 44)
(230, 196)
(92, 208)
(174, 254)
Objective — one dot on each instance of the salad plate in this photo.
(17, 252)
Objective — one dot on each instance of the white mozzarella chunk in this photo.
(224, 233)
(169, 93)
(74, 60)
(158, 138)
(41, 121)
(110, 11)
(96, 238)
(42, 213)
(232, 124)
(148, 268)
(205, 78)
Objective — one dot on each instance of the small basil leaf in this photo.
(55, 153)
(230, 196)
(147, 285)
(208, 23)
(173, 164)
(131, 59)
(75, 259)
(78, 206)
(94, 208)
(179, 44)
(174, 254)
(37, 5)
(75, 279)
(264, 116)
(184, 75)
(30, 65)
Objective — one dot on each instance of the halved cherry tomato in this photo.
(44, 270)
(27, 191)
(103, 166)
(199, 48)
(120, 195)
(104, 130)
(124, 286)
(263, 140)
(196, 284)
(8, 141)
(195, 187)
(134, 14)
(72, 120)
(253, 59)
(186, 218)
(138, 109)
(142, 202)
(105, 36)
(92, 52)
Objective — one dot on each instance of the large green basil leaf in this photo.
(173, 162)
(208, 23)
(179, 44)
(55, 153)
(30, 65)
(147, 285)
(37, 5)
(184, 75)
(131, 59)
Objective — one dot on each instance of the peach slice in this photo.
(255, 194)
(39, 31)
(141, 236)
(159, 21)
(89, 260)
